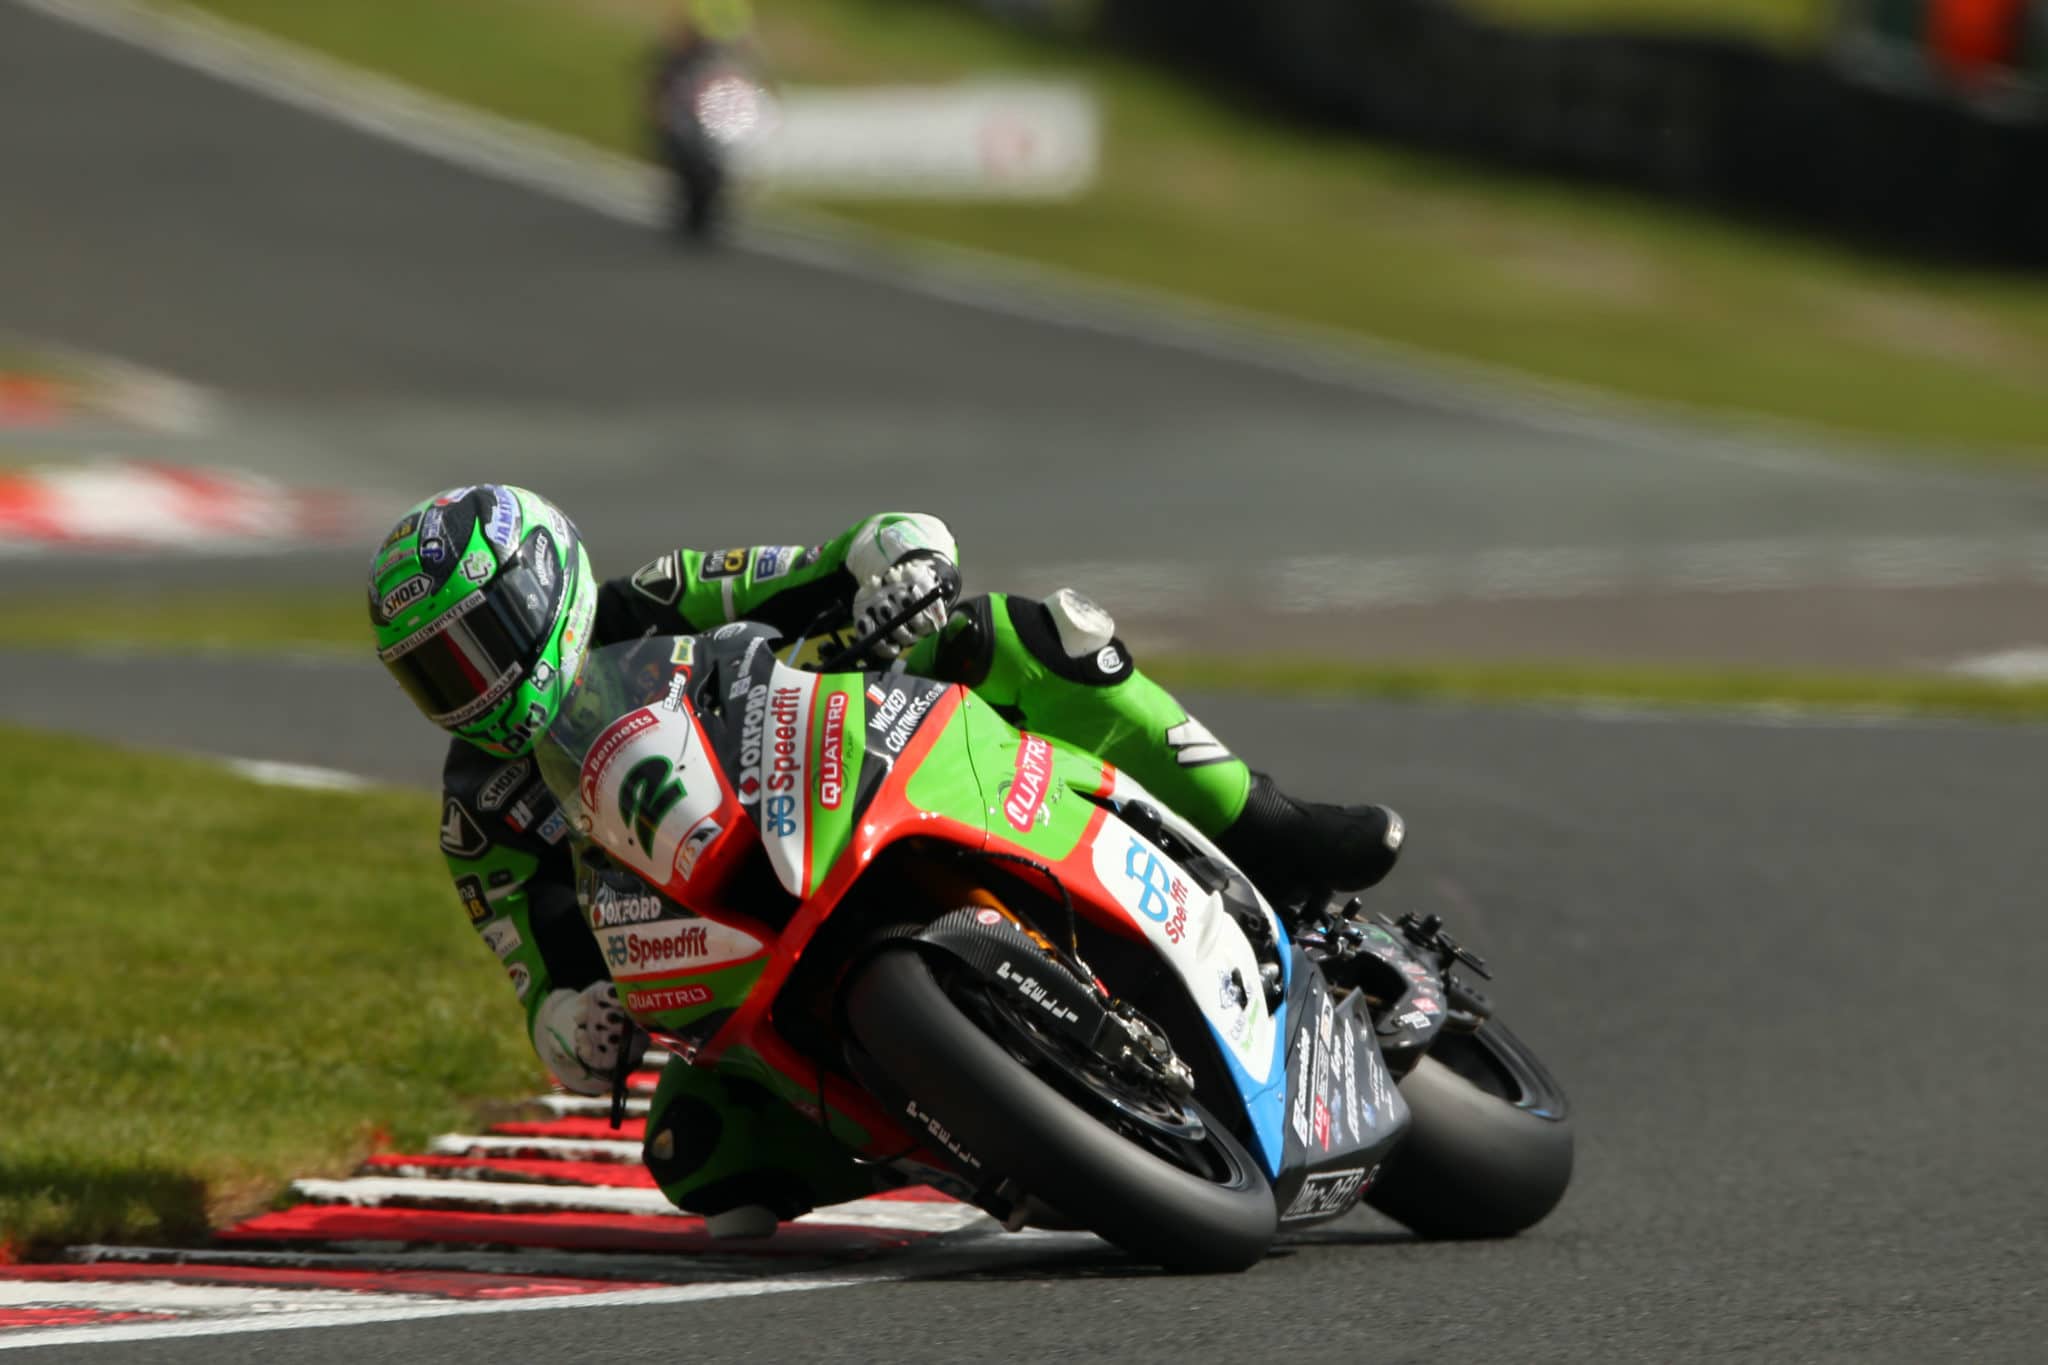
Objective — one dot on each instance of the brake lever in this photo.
(847, 660)
(622, 1073)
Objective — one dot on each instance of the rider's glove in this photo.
(579, 1034)
(888, 594)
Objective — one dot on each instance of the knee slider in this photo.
(1072, 637)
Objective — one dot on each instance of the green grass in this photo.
(145, 620)
(1788, 22)
(1219, 202)
(310, 621)
(213, 986)
(1627, 685)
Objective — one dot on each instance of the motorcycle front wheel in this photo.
(1489, 1145)
(1174, 1188)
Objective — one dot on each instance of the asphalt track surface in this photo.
(377, 320)
(1785, 972)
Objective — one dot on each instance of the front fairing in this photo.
(657, 829)
(634, 772)
(1319, 1103)
(1344, 1112)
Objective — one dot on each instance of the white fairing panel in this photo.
(664, 947)
(1195, 932)
(1128, 788)
(650, 788)
(784, 813)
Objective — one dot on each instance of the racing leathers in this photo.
(719, 1142)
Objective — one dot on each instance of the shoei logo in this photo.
(1162, 897)
(405, 594)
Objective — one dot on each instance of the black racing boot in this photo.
(1297, 849)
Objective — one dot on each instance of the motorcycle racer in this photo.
(484, 604)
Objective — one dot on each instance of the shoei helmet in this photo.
(482, 602)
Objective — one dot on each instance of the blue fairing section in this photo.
(1266, 1106)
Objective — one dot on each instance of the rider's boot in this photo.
(1057, 667)
(1296, 849)
(726, 1149)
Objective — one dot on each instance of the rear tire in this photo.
(1019, 1126)
(1489, 1145)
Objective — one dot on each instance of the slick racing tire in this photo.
(1015, 1123)
(1489, 1144)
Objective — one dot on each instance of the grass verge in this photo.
(1670, 688)
(214, 986)
(144, 620)
(1788, 23)
(1203, 197)
(332, 622)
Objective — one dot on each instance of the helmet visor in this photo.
(463, 664)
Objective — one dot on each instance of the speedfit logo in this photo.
(788, 761)
(682, 947)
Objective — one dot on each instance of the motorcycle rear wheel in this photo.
(1016, 1123)
(1489, 1145)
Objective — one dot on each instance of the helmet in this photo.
(482, 602)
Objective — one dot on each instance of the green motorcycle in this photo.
(996, 962)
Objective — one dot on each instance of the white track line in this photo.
(534, 1148)
(302, 776)
(176, 1296)
(1562, 573)
(984, 1255)
(497, 1196)
(632, 191)
(2025, 665)
(584, 1107)
(511, 1197)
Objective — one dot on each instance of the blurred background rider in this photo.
(698, 40)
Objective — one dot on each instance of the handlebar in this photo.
(847, 659)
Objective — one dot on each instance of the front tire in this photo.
(1489, 1145)
(1019, 1126)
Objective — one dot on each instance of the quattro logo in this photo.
(832, 757)
(1028, 787)
(672, 998)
